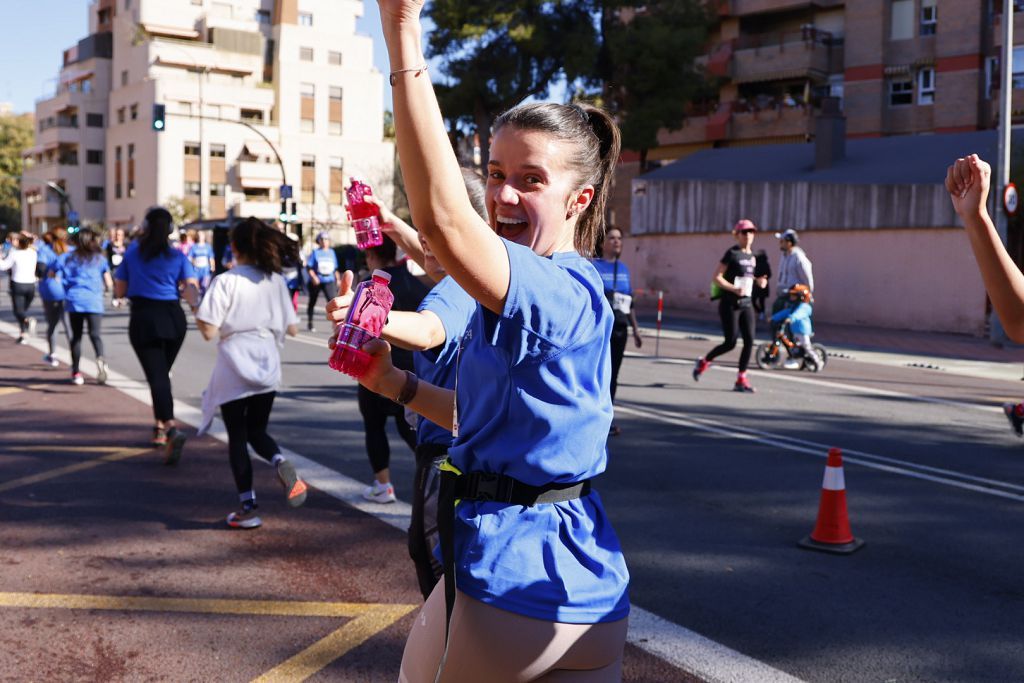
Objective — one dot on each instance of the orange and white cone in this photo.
(832, 531)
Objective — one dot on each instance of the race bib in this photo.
(116, 259)
(324, 267)
(200, 262)
(745, 285)
(290, 273)
(621, 303)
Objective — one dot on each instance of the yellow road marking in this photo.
(367, 620)
(336, 645)
(111, 456)
(4, 391)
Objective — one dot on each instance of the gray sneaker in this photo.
(32, 327)
(101, 371)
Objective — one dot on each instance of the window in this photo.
(117, 153)
(217, 189)
(306, 126)
(120, 115)
(213, 111)
(334, 93)
(1018, 68)
(94, 156)
(929, 17)
(117, 191)
(251, 115)
(305, 19)
(902, 27)
(307, 90)
(131, 152)
(134, 112)
(926, 86)
(94, 194)
(124, 78)
(127, 4)
(94, 120)
(306, 54)
(901, 92)
(86, 85)
(263, 16)
(191, 188)
(991, 75)
(308, 161)
(334, 128)
(216, 151)
(257, 194)
(334, 58)
(192, 149)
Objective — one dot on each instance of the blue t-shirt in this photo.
(201, 258)
(323, 262)
(83, 282)
(50, 288)
(534, 403)
(156, 278)
(449, 302)
(614, 279)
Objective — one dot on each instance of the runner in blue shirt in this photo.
(150, 275)
(200, 255)
(534, 570)
(619, 291)
(322, 269)
(85, 276)
(51, 290)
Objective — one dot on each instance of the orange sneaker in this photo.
(294, 488)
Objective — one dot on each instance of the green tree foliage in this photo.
(183, 211)
(648, 66)
(496, 54)
(16, 135)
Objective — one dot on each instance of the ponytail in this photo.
(263, 246)
(157, 227)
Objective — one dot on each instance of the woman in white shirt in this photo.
(250, 309)
(21, 261)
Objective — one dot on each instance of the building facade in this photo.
(256, 94)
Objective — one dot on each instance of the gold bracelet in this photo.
(415, 71)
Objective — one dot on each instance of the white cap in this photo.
(382, 274)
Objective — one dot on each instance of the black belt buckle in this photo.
(488, 487)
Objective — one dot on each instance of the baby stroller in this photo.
(791, 349)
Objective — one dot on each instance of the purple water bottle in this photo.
(365, 321)
(364, 215)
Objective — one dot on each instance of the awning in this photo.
(261, 183)
(782, 75)
(72, 76)
(175, 31)
(179, 63)
(259, 148)
(897, 70)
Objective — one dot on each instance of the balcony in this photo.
(783, 122)
(190, 55)
(259, 174)
(783, 56)
(260, 209)
(55, 136)
(739, 8)
(694, 130)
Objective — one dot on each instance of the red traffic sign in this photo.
(1010, 199)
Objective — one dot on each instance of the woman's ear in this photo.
(579, 201)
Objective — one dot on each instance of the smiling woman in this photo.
(529, 549)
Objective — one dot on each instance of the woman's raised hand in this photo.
(337, 308)
(967, 181)
(401, 10)
(387, 217)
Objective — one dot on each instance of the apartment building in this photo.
(257, 94)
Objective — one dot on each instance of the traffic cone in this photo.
(832, 531)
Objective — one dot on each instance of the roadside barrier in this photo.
(832, 532)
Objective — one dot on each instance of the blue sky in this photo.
(29, 65)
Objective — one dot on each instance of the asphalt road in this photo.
(710, 490)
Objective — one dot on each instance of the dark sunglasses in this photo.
(748, 231)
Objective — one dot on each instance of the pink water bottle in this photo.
(365, 321)
(364, 215)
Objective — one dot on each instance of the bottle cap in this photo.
(382, 275)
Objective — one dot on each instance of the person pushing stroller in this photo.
(797, 315)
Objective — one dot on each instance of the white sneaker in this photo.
(51, 361)
(380, 493)
(791, 364)
(77, 379)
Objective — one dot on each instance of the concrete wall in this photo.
(923, 279)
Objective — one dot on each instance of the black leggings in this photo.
(246, 421)
(620, 335)
(330, 290)
(423, 536)
(77, 324)
(736, 320)
(55, 314)
(376, 410)
(157, 331)
(22, 294)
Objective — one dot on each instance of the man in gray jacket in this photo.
(794, 268)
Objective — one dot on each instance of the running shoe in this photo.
(791, 364)
(175, 443)
(380, 493)
(1015, 414)
(77, 379)
(21, 339)
(51, 361)
(294, 488)
(32, 327)
(310, 328)
(159, 437)
(101, 371)
(245, 517)
(743, 385)
(699, 367)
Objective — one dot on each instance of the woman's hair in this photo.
(386, 251)
(596, 144)
(57, 240)
(158, 225)
(262, 246)
(476, 187)
(25, 240)
(87, 244)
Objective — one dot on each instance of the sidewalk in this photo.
(115, 567)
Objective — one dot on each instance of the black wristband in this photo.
(408, 393)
